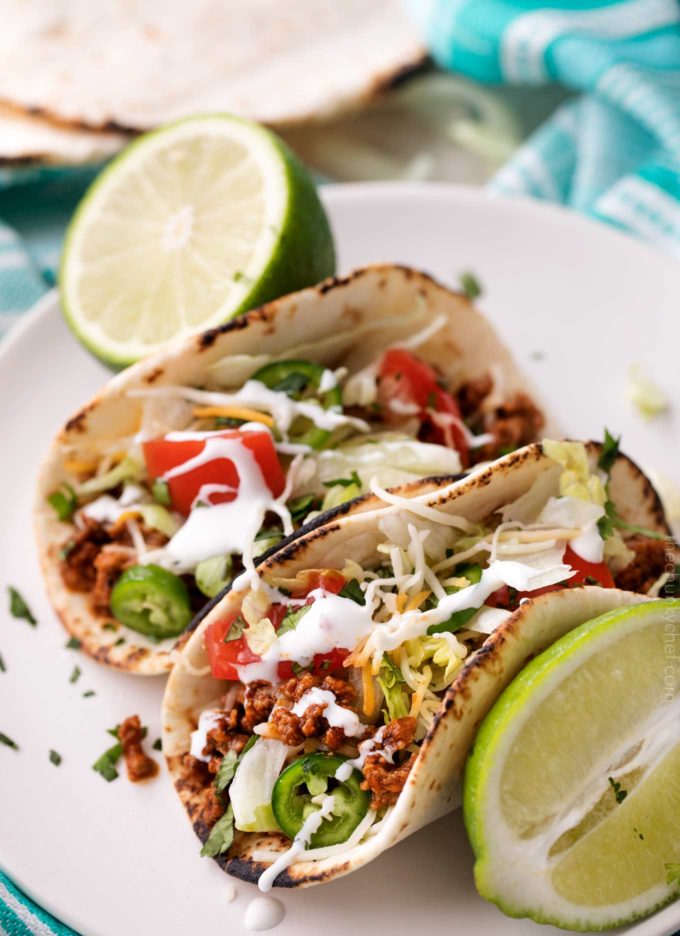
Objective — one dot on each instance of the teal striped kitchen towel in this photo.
(19, 916)
(613, 151)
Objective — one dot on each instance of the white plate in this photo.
(122, 859)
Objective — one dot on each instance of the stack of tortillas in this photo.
(77, 78)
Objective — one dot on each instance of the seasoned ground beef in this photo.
(295, 729)
(259, 701)
(139, 765)
(108, 565)
(97, 554)
(77, 566)
(645, 569)
(514, 423)
(386, 778)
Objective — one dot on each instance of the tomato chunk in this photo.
(413, 383)
(164, 454)
(224, 658)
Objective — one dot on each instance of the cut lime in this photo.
(572, 791)
(190, 225)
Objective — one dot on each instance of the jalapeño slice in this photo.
(308, 777)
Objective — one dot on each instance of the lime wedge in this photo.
(572, 791)
(190, 225)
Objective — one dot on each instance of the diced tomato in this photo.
(330, 580)
(225, 657)
(599, 571)
(409, 380)
(162, 455)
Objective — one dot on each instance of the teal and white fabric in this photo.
(613, 152)
(19, 916)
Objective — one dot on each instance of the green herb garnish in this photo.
(106, 764)
(73, 643)
(221, 835)
(612, 521)
(609, 452)
(64, 501)
(353, 590)
(618, 792)
(18, 607)
(157, 745)
(300, 506)
(55, 758)
(470, 285)
(3, 668)
(292, 619)
(89, 693)
(7, 741)
(75, 674)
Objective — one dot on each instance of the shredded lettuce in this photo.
(250, 793)
(646, 396)
(212, 575)
(158, 518)
(260, 635)
(128, 470)
(576, 479)
(441, 654)
(391, 681)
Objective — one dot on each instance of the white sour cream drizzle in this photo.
(263, 913)
(220, 528)
(207, 720)
(256, 395)
(336, 715)
(311, 825)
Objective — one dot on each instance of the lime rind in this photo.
(293, 248)
(506, 872)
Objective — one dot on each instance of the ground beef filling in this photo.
(384, 773)
(95, 556)
(384, 777)
(647, 566)
(139, 765)
(514, 422)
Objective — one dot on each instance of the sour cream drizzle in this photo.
(300, 842)
(220, 528)
(336, 715)
(207, 720)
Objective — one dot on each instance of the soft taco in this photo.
(197, 460)
(323, 709)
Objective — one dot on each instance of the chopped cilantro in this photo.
(612, 521)
(3, 668)
(75, 674)
(221, 835)
(55, 758)
(673, 872)
(64, 502)
(609, 452)
(470, 285)
(119, 642)
(106, 764)
(353, 590)
(226, 771)
(292, 619)
(157, 745)
(18, 607)
(354, 479)
(7, 741)
(236, 628)
(73, 643)
(618, 792)
(89, 693)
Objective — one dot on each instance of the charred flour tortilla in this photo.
(494, 647)
(135, 66)
(347, 323)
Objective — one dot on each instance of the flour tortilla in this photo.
(433, 786)
(347, 319)
(28, 139)
(116, 64)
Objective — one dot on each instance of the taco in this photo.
(323, 709)
(217, 447)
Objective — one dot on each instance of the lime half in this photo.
(572, 791)
(190, 225)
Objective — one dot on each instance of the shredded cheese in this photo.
(233, 412)
(417, 600)
(367, 686)
(79, 465)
